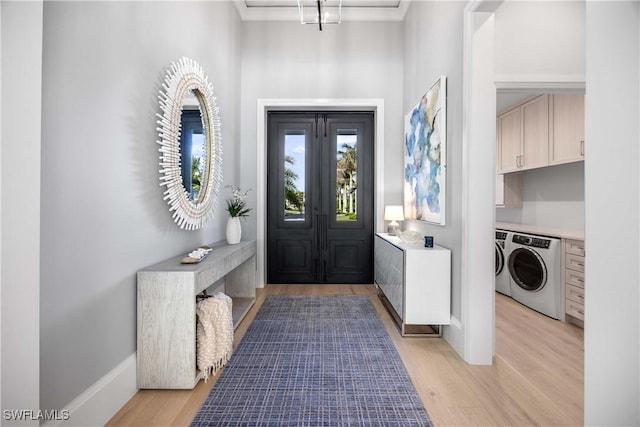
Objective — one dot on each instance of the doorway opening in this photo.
(266, 105)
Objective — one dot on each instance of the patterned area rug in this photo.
(314, 361)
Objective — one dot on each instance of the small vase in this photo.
(234, 230)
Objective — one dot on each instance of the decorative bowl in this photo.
(410, 236)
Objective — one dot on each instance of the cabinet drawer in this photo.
(575, 247)
(575, 278)
(575, 309)
(574, 294)
(574, 262)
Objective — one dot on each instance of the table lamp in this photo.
(393, 214)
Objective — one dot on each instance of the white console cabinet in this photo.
(414, 282)
(166, 354)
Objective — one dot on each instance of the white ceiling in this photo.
(352, 10)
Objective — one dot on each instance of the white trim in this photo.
(100, 402)
(478, 219)
(265, 105)
(539, 83)
(285, 13)
(454, 335)
(1, 406)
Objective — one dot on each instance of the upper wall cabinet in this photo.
(567, 124)
(523, 136)
(543, 131)
(509, 134)
(535, 133)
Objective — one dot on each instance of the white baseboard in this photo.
(100, 402)
(453, 334)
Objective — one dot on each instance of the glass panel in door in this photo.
(294, 175)
(347, 175)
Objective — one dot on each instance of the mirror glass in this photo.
(193, 147)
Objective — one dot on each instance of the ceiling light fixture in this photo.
(320, 12)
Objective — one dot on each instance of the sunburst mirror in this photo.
(190, 144)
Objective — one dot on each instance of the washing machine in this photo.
(503, 284)
(534, 265)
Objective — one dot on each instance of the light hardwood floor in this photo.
(536, 378)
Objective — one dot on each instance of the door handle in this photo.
(325, 223)
(317, 235)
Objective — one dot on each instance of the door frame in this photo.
(263, 107)
(473, 336)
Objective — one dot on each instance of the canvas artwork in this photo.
(425, 138)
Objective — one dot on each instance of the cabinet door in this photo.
(567, 136)
(535, 133)
(389, 272)
(509, 141)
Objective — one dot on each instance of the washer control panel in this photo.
(501, 235)
(535, 242)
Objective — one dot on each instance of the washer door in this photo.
(499, 257)
(527, 269)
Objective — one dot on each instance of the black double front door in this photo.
(320, 197)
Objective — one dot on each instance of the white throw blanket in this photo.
(214, 334)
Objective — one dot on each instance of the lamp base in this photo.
(393, 228)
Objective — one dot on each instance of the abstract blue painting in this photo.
(425, 140)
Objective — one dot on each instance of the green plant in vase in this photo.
(237, 208)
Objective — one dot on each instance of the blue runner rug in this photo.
(314, 361)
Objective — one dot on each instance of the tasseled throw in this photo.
(214, 334)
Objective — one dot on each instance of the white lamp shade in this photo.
(393, 213)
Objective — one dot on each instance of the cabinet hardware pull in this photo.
(582, 148)
(581, 264)
(580, 280)
(316, 126)
(580, 311)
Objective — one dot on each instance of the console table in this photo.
(414, 283)
(166, 354)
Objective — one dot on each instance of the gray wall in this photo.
(103, 216)
(433, 47)
(354, 60)
(552, 197)
(612, 298)
(539, 41)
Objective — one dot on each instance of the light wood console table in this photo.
(166, 354)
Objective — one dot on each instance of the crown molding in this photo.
(287, 13)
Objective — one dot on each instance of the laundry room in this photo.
(540, 151)
(540, 212)
(540, 240)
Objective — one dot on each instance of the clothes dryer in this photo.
(535, 271)
(503, 284)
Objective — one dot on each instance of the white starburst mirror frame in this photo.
(182, 77)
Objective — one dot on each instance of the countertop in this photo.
(546, 231)
(396, 241)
